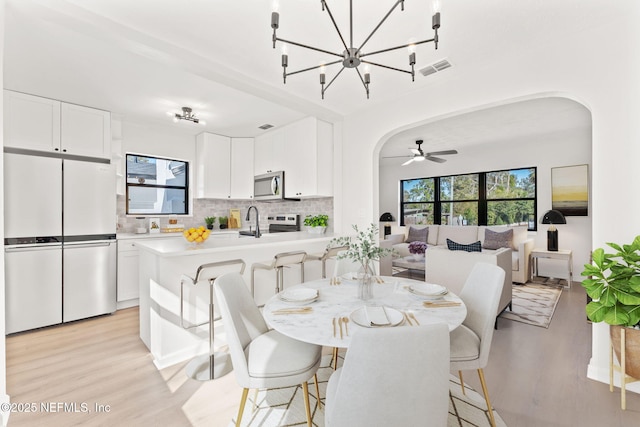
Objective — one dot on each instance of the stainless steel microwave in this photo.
(269, 186)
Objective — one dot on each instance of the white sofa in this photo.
(438, 234)
(451, 268)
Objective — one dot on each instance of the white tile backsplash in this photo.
(221, 207)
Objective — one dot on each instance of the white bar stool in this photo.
(281, 260)
(328, 254)
(214, 364)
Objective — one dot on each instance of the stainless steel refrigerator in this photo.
(60, 247)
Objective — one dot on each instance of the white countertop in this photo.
(219, 242)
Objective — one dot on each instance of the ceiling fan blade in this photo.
(442, 153)
(395, 157)
(408, 161)
(436, 159)
(416, 151)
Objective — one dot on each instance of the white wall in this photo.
(4, 397)
(598, 67)
(564, 149)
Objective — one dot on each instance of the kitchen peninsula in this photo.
(164, 261)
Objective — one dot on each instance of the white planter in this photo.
(316, 230)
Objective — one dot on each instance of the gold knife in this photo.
(334, 327)
(407, 318)
(340, 324)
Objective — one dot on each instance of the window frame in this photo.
(482, 201)
(129, 185)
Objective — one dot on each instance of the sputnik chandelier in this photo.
(352, 57)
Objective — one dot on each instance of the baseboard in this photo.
(121, 305)
(602, 375)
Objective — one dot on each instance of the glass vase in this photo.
(365, 281)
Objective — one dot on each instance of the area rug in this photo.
(285, 406)
(533, 304)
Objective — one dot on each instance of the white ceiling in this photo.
(141, 58)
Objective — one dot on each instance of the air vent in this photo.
(266, 126)
(435, 67)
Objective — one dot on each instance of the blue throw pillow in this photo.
(473, 247)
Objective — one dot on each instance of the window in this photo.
(418, 201)
(506, 197)
(157, 186)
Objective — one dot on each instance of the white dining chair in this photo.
(392, 377)
(329, 253)
(471, 341)
(262, 358)
(345, 265)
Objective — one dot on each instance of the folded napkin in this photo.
(376, 316)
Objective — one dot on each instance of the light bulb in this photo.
(275, 6)
(435, 6)
(411, 48)
(284, 48)
(323, 69)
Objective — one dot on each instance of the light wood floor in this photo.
(536, 377)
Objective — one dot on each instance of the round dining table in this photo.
(337, 313)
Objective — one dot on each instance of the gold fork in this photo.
(407, 318)
(413, 316)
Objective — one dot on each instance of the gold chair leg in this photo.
(486, 397)
(611, 367)
(305, 391)
(623, 361)
(335, 358)
(315, 380)
(243, 400)
(462, 383)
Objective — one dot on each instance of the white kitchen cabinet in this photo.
(224, 167)
(42, 124)
(85, 131)
(269, 152)
(213, 168)
(31, 122)
(128, 287)
(308, 159)
(241, 168)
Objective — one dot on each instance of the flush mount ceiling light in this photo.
(187, 114)
(352, 57)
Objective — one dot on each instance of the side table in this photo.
(561, 254)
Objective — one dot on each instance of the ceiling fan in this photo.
(419, 155)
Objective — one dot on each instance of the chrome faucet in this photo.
(257, 220)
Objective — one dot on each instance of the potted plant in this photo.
(316, 224)
(209, 220)
(417, 248)
(614, 286)
(223, 220)
(363, 248)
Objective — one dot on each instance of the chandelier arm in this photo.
(333, 79)
(386, 66)
(335, 24)
(308, 47)
(396, 48)
(366, 86)
(380, 23)
(313, 68)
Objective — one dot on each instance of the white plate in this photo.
(360, 317)
(427, 289)
(299, 295)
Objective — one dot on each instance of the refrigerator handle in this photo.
(89, 245)
(31, 248)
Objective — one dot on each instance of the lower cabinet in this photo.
(128, 287)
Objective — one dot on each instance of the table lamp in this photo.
(553, 217)
(386, 217)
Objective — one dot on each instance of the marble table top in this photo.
(341, 300)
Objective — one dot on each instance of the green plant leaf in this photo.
(616, 315)
(596, 311)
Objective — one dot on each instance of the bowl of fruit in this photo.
(196, 235)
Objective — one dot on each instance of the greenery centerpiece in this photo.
(363, 249)
(209, 220)
(316, 223)
(614, 286)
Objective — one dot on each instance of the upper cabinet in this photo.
(42, 124)
(304, 151)
(224, 167)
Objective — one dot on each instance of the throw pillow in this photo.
(417, 234)
(498, 239)
(473, 247)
